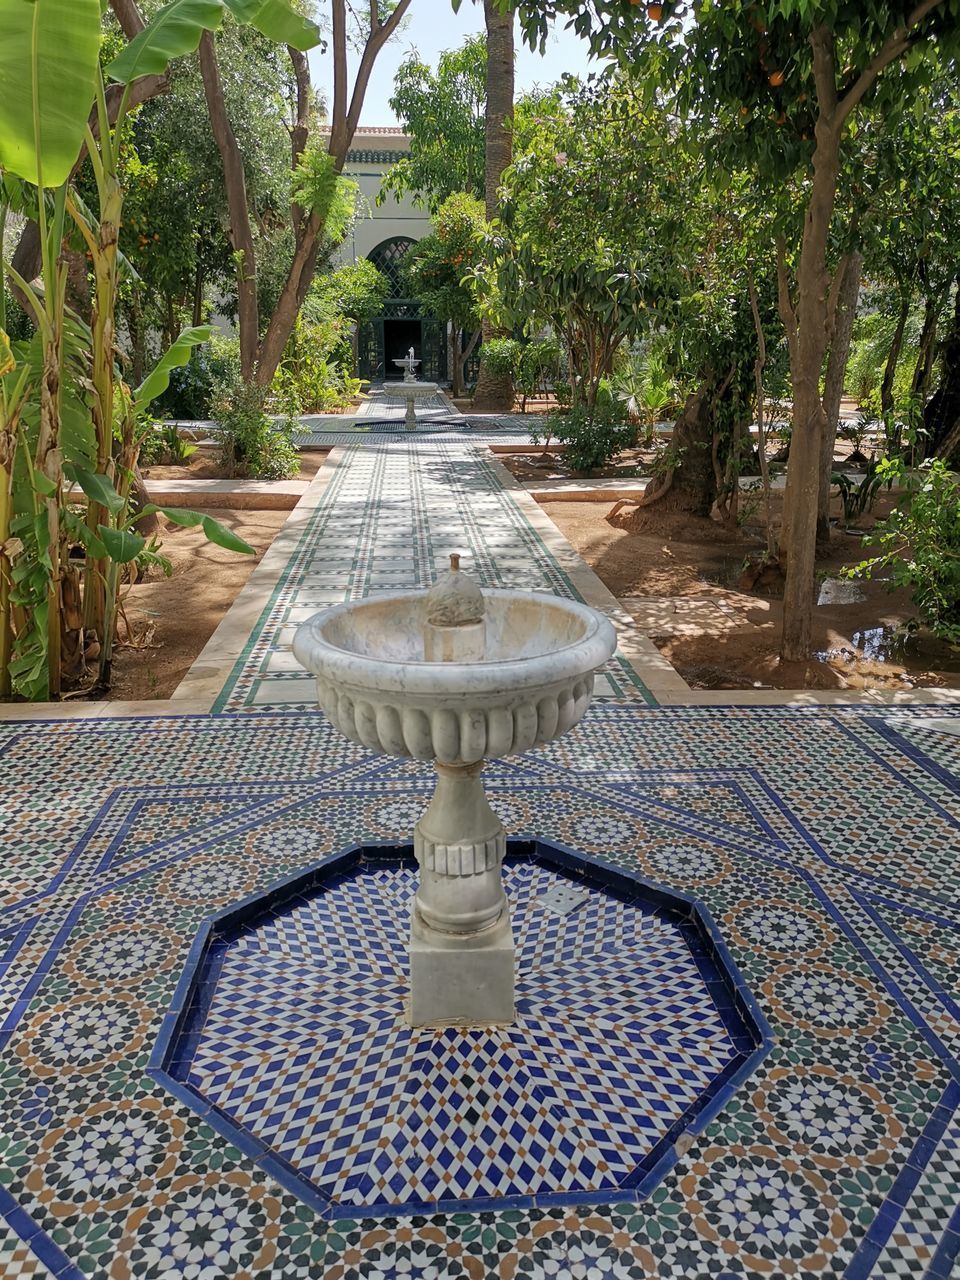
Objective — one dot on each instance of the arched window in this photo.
(388, 257)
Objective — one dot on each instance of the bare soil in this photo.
(203, 465)
(719, 636)
(549, 464)
(169, 620)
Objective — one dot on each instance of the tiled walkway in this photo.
(823, 843)
(388, 519)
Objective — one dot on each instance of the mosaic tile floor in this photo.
(388, 520)
(630, 1027)
(823, 843)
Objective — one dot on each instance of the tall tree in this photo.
(315, 166)
(438, 268)
(443, 114)
(784, 80)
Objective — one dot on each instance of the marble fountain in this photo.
(457, 676)
(411, 388)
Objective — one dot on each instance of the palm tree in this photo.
(494, 393)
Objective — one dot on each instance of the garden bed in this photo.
(204, 465)
(721, 637)
(171, 619)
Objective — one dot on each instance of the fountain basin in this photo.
(412, 392)
(534, 683)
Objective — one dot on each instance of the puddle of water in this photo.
(898, 646)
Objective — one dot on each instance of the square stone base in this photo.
(461, 988)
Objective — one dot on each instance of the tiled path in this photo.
(387, 519)
(825, 844)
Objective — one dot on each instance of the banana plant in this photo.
(49, 66)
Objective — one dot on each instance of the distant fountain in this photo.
(411, 389)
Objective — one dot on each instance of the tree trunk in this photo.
(456, 371)
(197, 317)
(893, 356)
(689, 484)
(942, 413)
(494, 393)
(833, 383)
(808, 335)
(920, 382)
(241, 231)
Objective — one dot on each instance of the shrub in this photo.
(193, 387)
(538, 365)
(592, 439)
(251, 443)
(502, 356)
(314, 376)
(163, 444)
(920, 545)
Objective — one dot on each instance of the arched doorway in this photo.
(401, 326)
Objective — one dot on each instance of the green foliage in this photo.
(313, 376)
(593, 437)
(176, 30)
(358, 290)
(173, 32)
(645, 386)
(251, 443)
(858, 496)
(920, 545)
(538, 367)
(502, 356)
(321, 190)
(192, 388)
(597, 260)
(438, 268)
(443, 114)
(164, 444)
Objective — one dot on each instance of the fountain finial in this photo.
(453, 615)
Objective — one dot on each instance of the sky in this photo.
(432, 26)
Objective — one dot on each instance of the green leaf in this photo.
(122, 545)
(97, 488)
(174, 32)
(224, 537)
(277, 20)
(186, 519)
(49, 51)
(157, 381)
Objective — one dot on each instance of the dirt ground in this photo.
(721, 637)
(171, 619)
(549, 464)
(203, 465)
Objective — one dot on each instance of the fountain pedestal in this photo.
(461, 942)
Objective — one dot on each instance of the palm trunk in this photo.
(494, 392)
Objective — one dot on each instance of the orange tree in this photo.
(777, 87)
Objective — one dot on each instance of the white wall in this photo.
(393, 218)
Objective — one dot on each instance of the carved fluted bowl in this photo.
(534, 683)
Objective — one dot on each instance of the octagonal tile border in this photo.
(739, 1011)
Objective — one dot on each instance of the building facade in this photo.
(384, 233)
